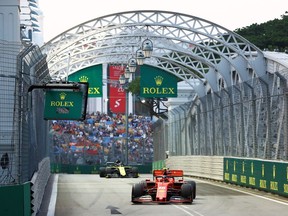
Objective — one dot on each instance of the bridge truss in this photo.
(239, 108)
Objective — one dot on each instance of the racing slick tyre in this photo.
(193, 183)
(144, 183)
(108, 172)
(137, 191)
(102, 172)
(135, 173)
(187, 192)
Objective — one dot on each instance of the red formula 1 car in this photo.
(167, 186)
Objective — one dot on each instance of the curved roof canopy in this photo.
(188, 47)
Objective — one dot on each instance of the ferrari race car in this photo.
(167, 186)
(118, 170)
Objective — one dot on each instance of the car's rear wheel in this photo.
(135, 173)
(108, 172)
(187, 192)
(102, 172)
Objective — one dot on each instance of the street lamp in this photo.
(143, 147)
(140, 57)
(132, 65)
(141, 54)
(147, 48)
(104, 105)
(124, 81)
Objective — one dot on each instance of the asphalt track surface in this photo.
(90, 195)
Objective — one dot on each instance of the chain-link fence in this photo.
(248, 119)
(23, 131)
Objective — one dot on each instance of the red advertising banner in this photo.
(117, 96)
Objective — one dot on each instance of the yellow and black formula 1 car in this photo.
(118, 170)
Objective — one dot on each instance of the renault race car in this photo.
(167, 186)
(118, 170)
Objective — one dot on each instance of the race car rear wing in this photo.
(172, 173)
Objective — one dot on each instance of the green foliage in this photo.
(134, 86)
(271, 35)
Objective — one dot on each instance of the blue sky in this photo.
(60, 15)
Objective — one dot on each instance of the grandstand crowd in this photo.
(100, 138)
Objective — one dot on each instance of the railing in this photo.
(246, 120)
(265, 175)
(24, 147)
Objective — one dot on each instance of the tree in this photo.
(271, 35)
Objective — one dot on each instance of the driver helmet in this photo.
(118, 162)
(165, 171)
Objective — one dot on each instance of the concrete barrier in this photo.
(201, 166)
(91, 169)
(266, 175)
(25, 199)
(38, 184)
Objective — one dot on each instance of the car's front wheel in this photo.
(187, 192)
(137, 191)
(193, 183)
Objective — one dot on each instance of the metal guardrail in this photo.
(23, 131)
(248, 119)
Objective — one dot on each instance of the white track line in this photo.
(52, 203)
(252, 194)
(187, 212)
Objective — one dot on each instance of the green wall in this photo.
(158, 164)
(90, 169)
(270, 176)
(15, 200)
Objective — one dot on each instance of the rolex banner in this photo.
(156, 83)
(63, 104)
(92, 75)
(117, 95)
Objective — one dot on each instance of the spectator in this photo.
(101, 138)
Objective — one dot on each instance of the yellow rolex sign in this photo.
(157, 83)
(66, 105)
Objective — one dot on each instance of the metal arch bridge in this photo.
(242, 103)
(187, 46)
